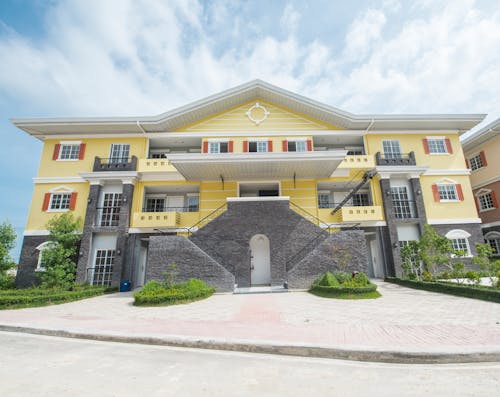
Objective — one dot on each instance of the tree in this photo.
(7, 242)
(435, 250)
(410, 257)
(57, 259)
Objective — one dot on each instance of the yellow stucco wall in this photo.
(37, 219)
(414, 143)
(279, 119)
(94, 147)
(492, 153)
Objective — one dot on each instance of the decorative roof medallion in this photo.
(257, 113)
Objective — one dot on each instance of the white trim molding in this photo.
(36, 233)
(68, 179)
(491, 224)
(453, 221)
(409, 171)
(245, 199)
(439, 172)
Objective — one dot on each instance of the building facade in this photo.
(255, 185)
(482, 156)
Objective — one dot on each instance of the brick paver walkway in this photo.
(401, 320)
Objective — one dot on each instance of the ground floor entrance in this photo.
(260, 260)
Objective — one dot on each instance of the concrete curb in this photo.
(400, 357)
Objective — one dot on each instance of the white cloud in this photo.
(142, 57)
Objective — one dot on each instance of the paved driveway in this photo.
(401, 320)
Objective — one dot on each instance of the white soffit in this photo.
(257, 166)
(254, 90)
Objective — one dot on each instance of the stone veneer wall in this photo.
(226, 239)
(26, 275)
(190, 260)
(323, 258)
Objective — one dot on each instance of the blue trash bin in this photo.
(124, 286)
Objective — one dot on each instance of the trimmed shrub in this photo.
(468, 291)
(342, 277)
(154, 293)
(361, 279)
(345, 290)
(11, 299)
(328, 280)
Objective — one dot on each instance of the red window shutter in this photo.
(55, 155)
(269, 146)
(230, 147)
(476, 201)
(72, 201)
(285, 145)
(309, 145)
(46, 202)
(460, 192)
(435, 192)
(494, 199)
(426, 146)
(467, 164)
(205, 147)
(483, 158)
(449, 148)
(245, 146)
(81, 153)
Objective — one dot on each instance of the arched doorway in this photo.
(260, 260)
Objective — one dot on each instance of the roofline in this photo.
(482, 135)
(27, 124)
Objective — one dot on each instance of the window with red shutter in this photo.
(55, 154)
(284, 145)
(81, 153)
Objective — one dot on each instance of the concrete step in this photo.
(261, 289)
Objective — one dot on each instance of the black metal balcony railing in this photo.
(191, 208)
(107, 216)
(331, 204)
(115, 164)
(395, 159)
(404, 209)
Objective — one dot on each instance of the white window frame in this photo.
(190, 196)
(42, 247)
(475, 162)
(391, 145)
(70, 144)
(302, 142)
(122, 149)
(214, 146)
(493, 236)
(109, 252)
(52, 194)
(484, 197)
(446, 186)
(431, 145)
(458, 234)
(325, 193)
(260, 143)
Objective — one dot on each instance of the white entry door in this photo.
(260, 260)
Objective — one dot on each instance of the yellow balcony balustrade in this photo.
(352, 214)
(155, 165)
(156, 219)
(358, 161)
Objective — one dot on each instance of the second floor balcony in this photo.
(115, 164)
(395, 159)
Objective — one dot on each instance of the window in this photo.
(158, 155)
(494, 244)
(413, 255)
(360, 200)
(103, 270)
(60, 201)
(476, 162)
(297, 146)
(437, 146)
(69, 152)
(459, 240)
(447, 192)
(41, 248)
(257, 146)
(392, 149)
(460, 244)
(485, 201)
(109, 214)
(193, 203)
(119, 153)
(155, 205)
(355, 152)
(324, 200)
(218, 147)
(403, 207)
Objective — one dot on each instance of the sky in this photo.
(144, 57)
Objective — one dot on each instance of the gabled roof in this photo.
(256, 89)
(482, 135)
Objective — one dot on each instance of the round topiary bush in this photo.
(344, 285)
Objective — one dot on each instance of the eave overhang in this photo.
(257, 166)
(254, 90)
(482, 135)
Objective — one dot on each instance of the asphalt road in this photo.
(49, 366)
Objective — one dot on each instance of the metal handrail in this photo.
(333, 205)
(115, 160)
(113, 216)
(412, 208)
(220, 209)
(172, 209)
(319, 221)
